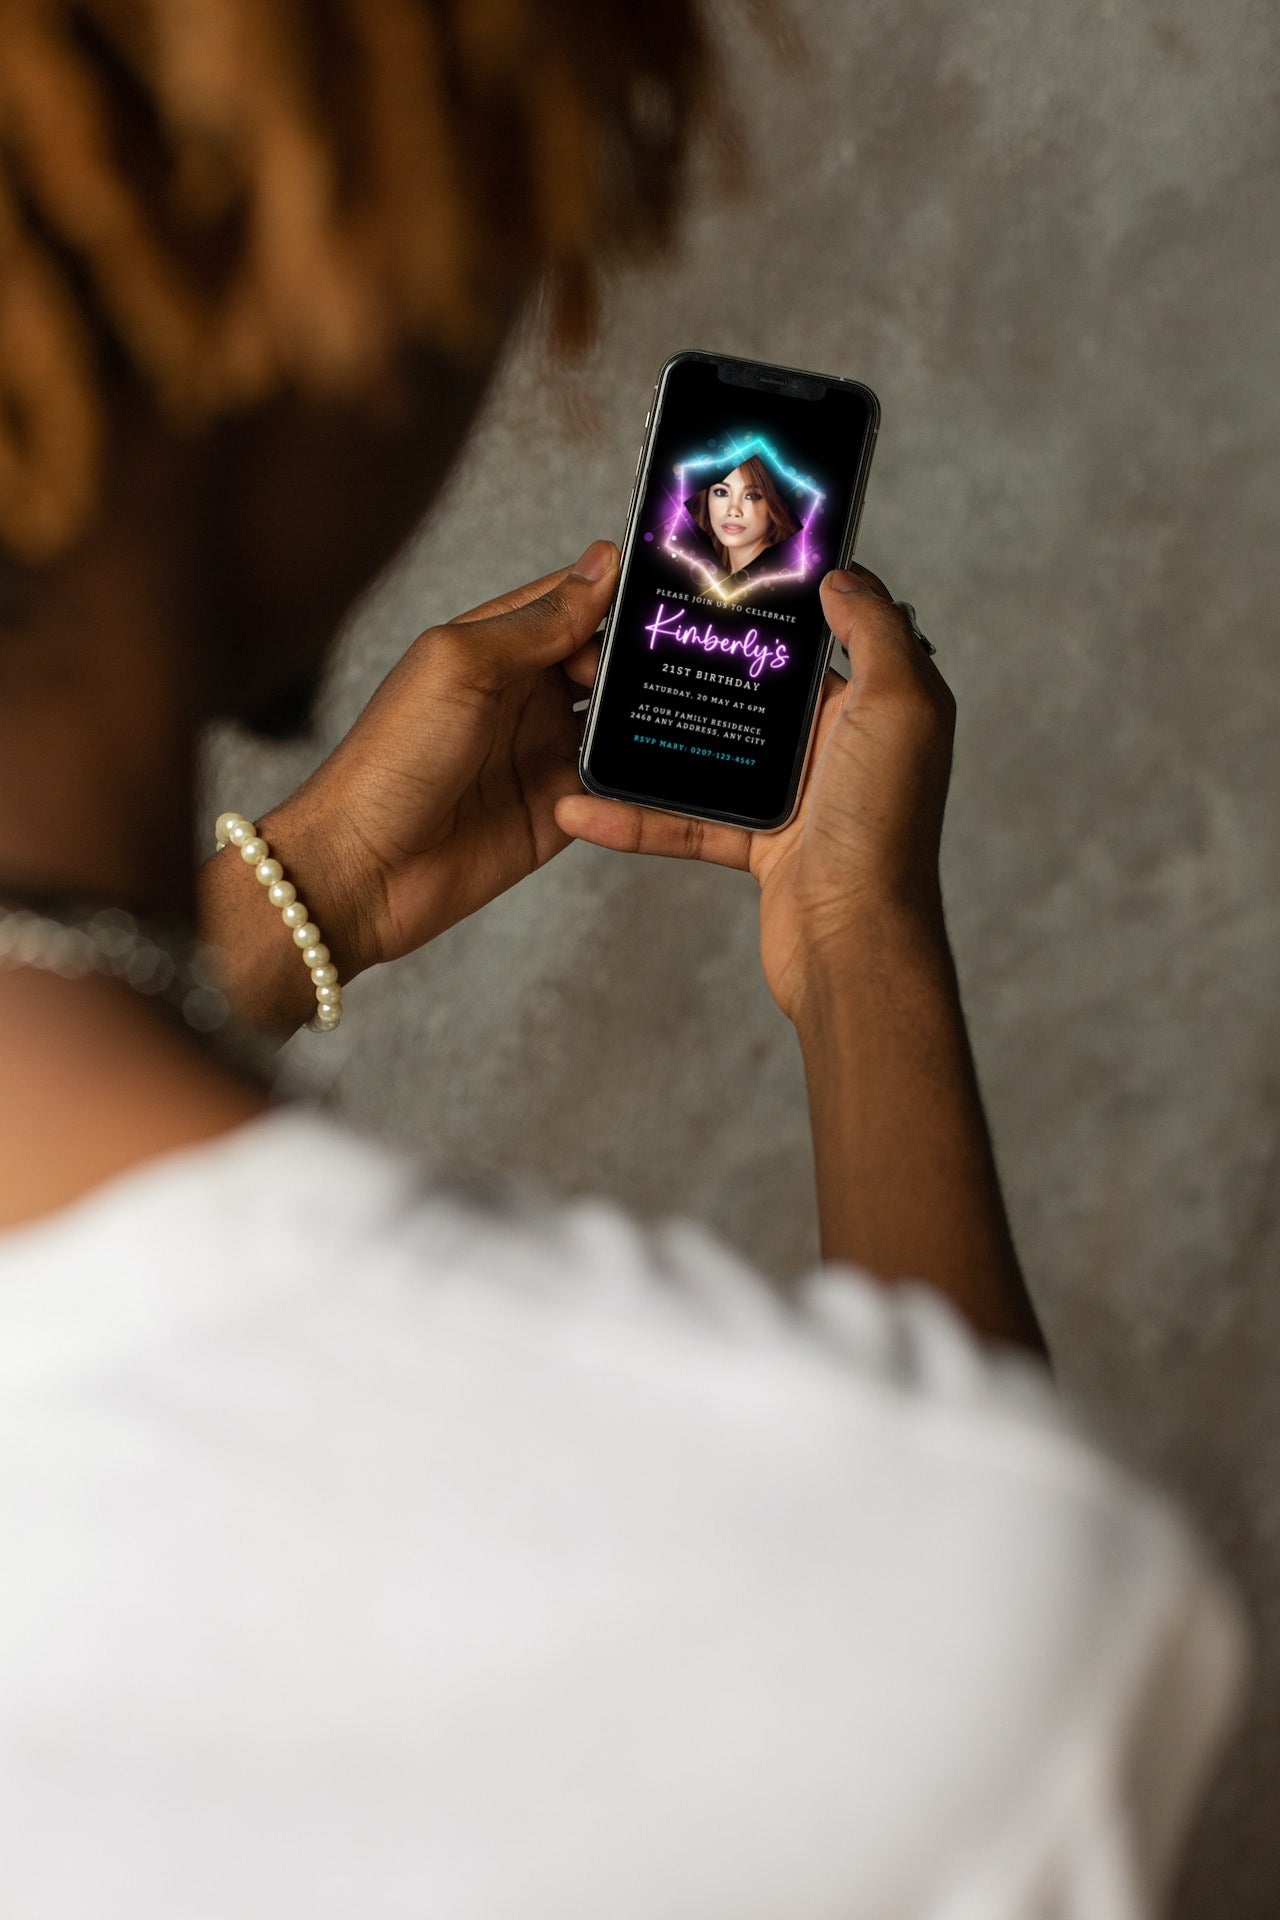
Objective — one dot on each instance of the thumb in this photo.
(541, 632)
(872, 629)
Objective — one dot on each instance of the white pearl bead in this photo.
(235, 829)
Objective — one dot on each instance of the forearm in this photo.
(907, 1182)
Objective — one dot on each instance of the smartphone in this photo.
(748, 488)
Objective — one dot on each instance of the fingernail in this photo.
(599, 560)
(840, 581)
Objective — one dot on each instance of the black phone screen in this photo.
(716, 646)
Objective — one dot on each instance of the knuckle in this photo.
(444, 645)
(912, 709)
(555, 608)
(456, 657)
(880, 635)
(889, 673)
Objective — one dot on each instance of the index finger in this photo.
(625, 828)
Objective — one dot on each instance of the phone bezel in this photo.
(844, 551)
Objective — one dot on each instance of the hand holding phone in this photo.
(861, 851)
(742, 521)
(439, 798)
(748, 490)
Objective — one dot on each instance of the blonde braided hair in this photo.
(218, 200)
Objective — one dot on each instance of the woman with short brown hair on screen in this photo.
(743, 514)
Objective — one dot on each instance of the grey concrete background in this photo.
(1047, 237)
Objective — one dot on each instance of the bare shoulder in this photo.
(94, 1084)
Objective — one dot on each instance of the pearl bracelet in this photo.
(234, 830)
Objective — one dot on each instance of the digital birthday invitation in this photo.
(718, 637)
